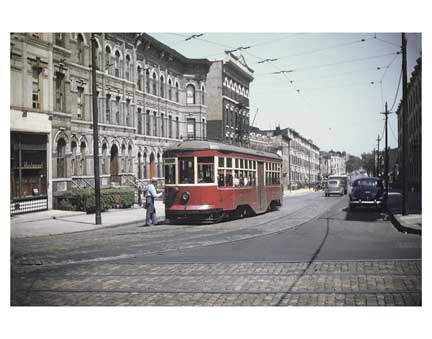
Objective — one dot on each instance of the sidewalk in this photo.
(411, 223)
(59, 222)
(301, 191)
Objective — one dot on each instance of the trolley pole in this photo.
(404, 166)
(95, 133)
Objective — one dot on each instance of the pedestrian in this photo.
(150, 195)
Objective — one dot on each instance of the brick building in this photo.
(414, 132)
(148, 96)
(227, 99)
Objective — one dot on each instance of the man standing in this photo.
(150, 195)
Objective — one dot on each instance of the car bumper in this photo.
(367, 202)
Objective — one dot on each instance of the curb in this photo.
(400, 227)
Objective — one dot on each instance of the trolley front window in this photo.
(186, 170)
(170, 170)
(205, 170)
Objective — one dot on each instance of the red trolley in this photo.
(207, 180)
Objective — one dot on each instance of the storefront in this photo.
(28, 172)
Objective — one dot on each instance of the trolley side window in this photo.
(206, 170)
(186, 170)
(170, 171)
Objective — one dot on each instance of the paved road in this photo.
(310, 252)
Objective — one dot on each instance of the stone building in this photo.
(333, 163)
(228, 100)
(414, 133)
(148, 96)
(300, 156)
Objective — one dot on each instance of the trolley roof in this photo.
(197, 145)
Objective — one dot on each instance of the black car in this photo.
(367, 192)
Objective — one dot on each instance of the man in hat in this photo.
(150, 195)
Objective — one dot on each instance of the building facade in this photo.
(414, 133)
(148, 95)
(300, 156)
(333, 163)
(227, 99)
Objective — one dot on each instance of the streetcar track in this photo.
(136, 255)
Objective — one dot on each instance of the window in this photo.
(177, 128)
(83, 158)
(59, 92)
(190, 94)
(191, 128)
(127, 68)
(169, 89)
(80, 103)
(170, 122)
(203, 135)
(205, 169)
(202, 96)
(154, 84)
(117, 64)
(155, 131)
(177, 92)
(80, 49)
(35, 87)
(186, 170)
(61, 158)
(148, 122)
(139, 78)
(147, 81)
(108, 60)
(139, 116)
(127, 112)
(117, 108)
(108, 108)
(162, 125)
(59, 39)
(162, 84)
(170, 171)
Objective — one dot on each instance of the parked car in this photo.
(367, 192)
(334, 186)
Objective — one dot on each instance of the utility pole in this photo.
(374, 163)
(404, 166)
(95, 133)
(386, 169)
(378, 157)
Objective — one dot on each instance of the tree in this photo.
(353, 163)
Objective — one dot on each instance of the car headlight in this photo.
(185, 197)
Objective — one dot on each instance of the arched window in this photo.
(190, 94)
(154, 84)
(169, 89)
(117, 114)
(147, 81)
(80, 49)
(108, 108)
(123, 158)
(73, 159)
(61, 158)
(127, 68)
(107, 60)
(177, 92)
(139, 78)
(104, 159)
(98, 56)
(145, 164)
(162, 84)
(83, 158)
(117, 64)
(202, 96)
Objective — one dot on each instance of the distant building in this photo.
(227, 100)
(333, 163)
(300, 156)
(414, 132)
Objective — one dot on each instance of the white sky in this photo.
(337, 106)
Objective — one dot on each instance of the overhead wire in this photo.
(397, 92)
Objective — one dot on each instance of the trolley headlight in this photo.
(185, 197)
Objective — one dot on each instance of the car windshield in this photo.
(333, 182)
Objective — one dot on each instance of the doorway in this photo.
(114, 164)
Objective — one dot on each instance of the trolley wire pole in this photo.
(404, 128)
(386, 160)
(378, 157)
(95, 132)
